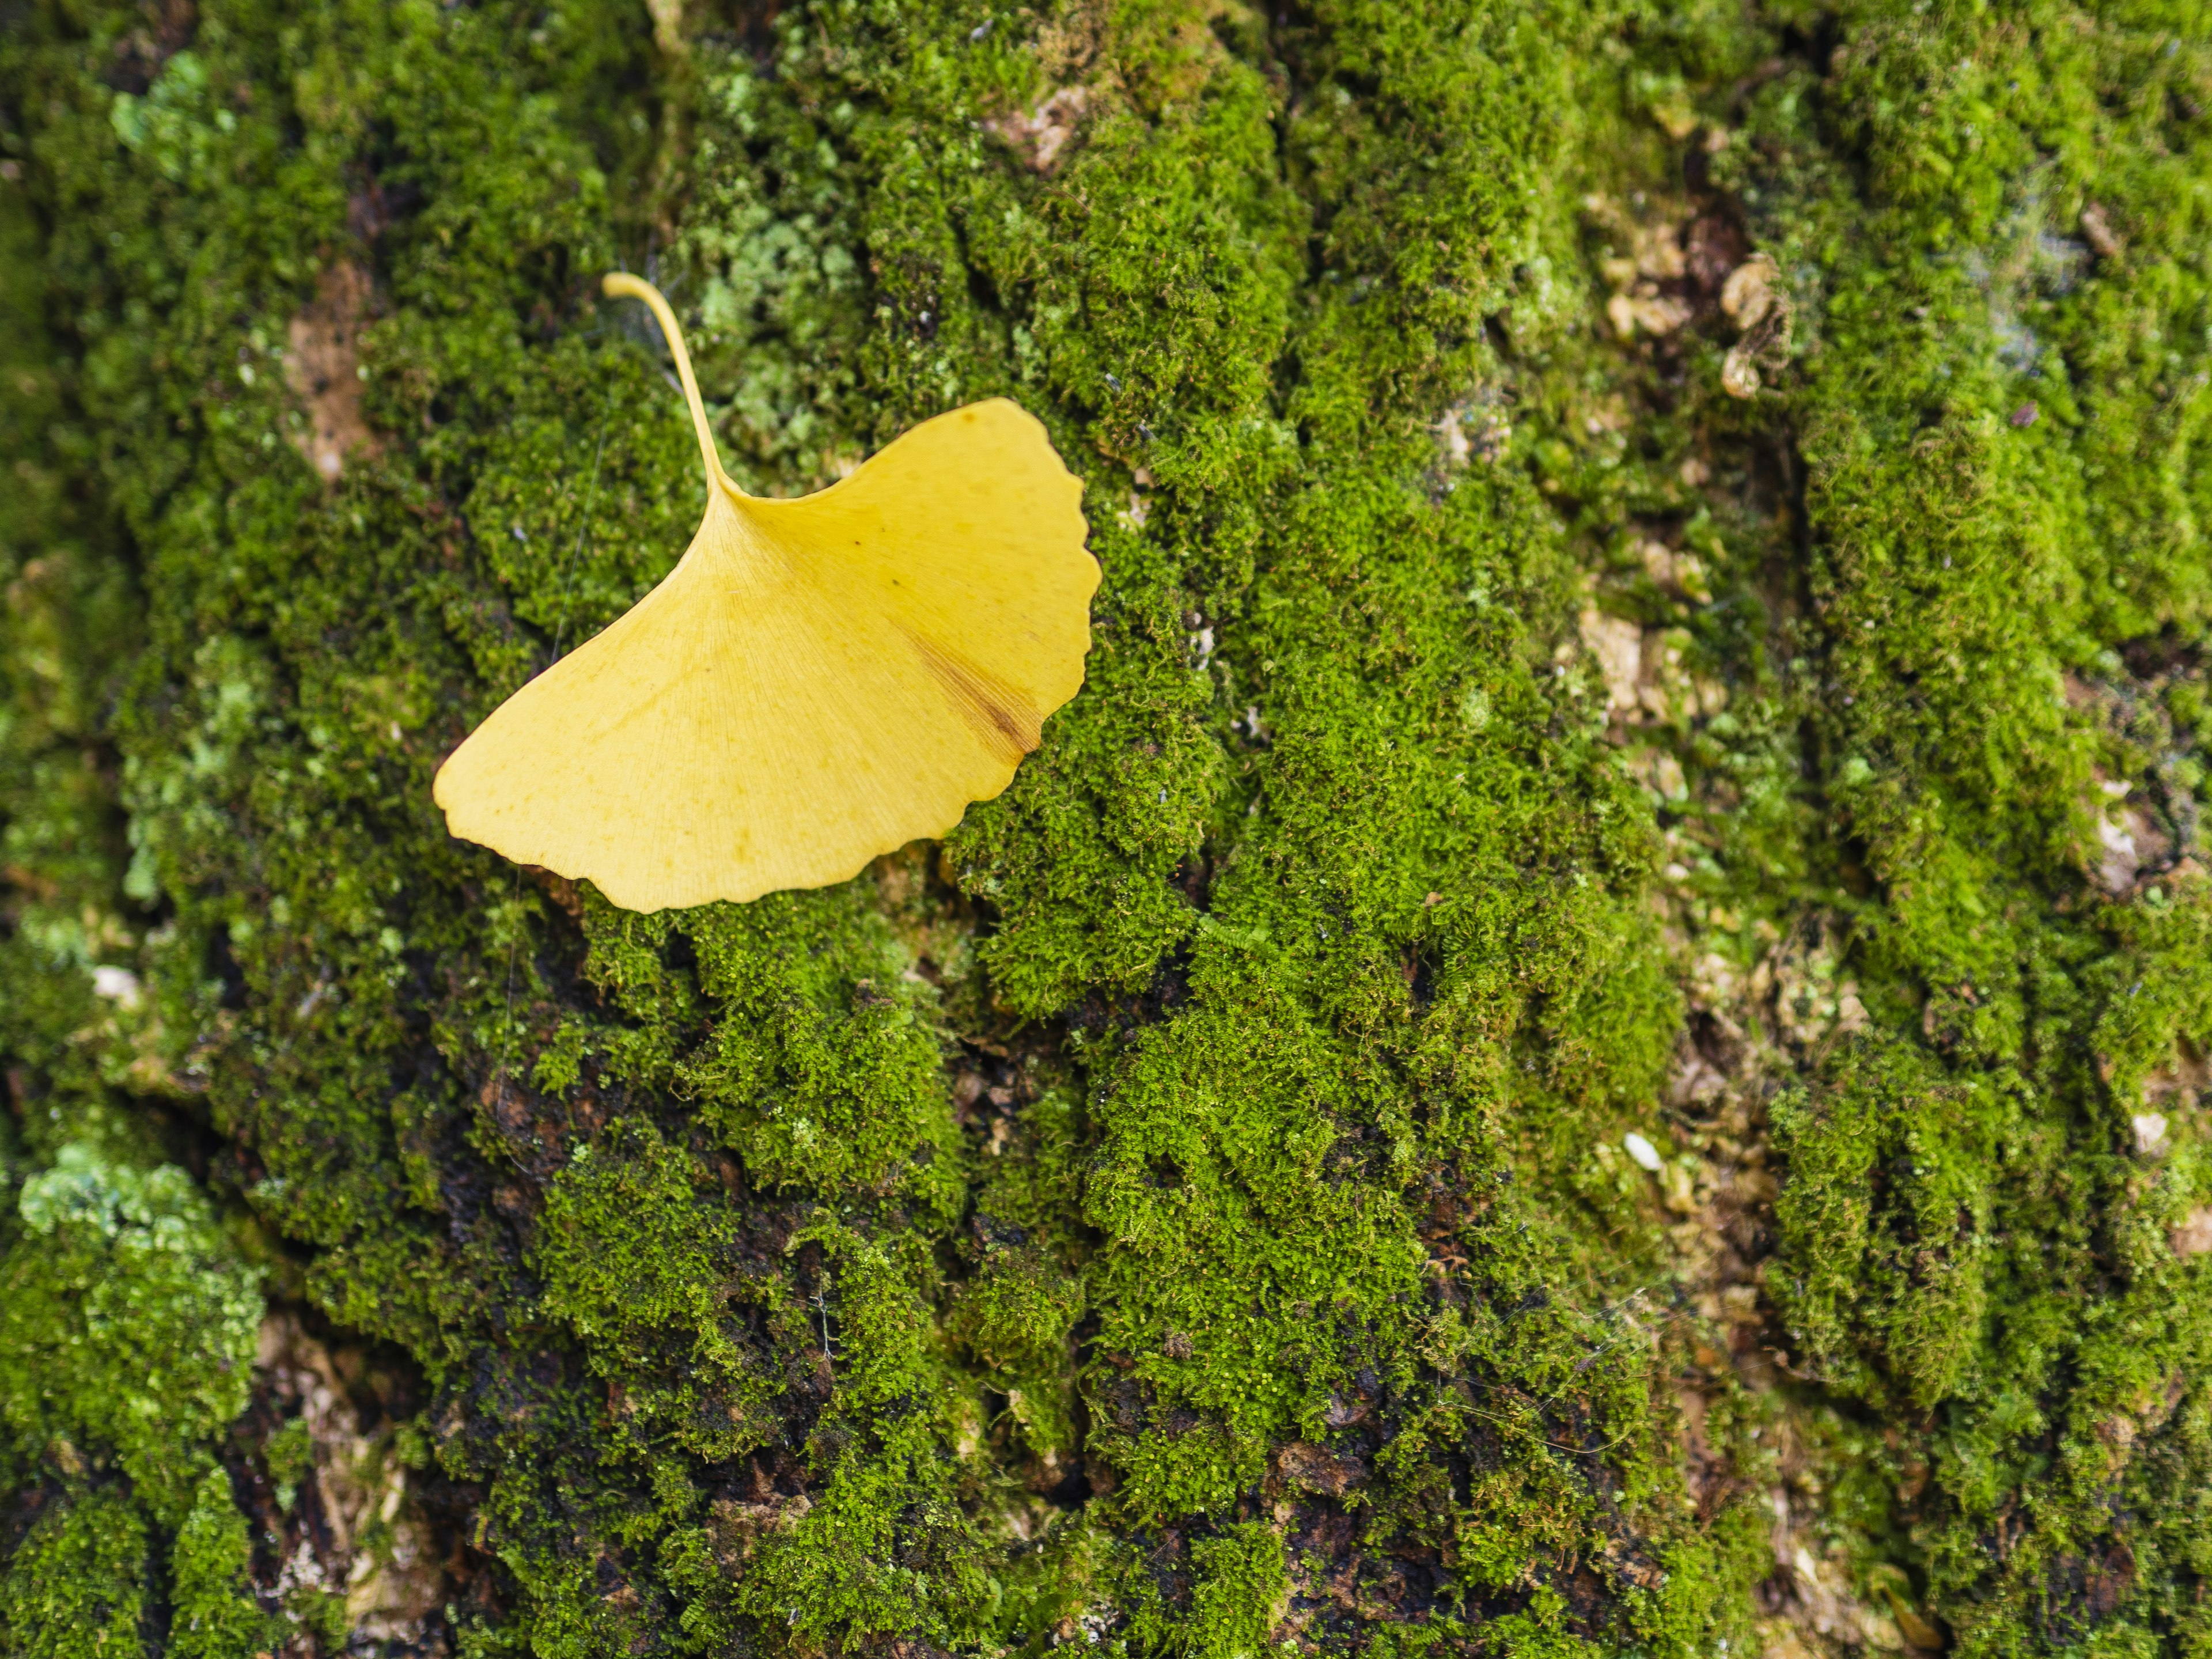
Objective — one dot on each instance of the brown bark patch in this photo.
(323, 370)
(1039, 135)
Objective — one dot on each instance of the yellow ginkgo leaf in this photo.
(818, 682)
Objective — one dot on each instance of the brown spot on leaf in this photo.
(995, 711)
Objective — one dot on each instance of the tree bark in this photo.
(1588, 1034)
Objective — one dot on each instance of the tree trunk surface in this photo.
(1587, 1039)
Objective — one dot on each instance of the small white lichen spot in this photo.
(118, 985)
(1807, 1569)
(1740, 372)
(2150, 1133)
(1039, 135)
(1458, 449)
(1617, 645)
(1748, 294)
(1645, 1154)
(1850, 1012)
(2117, 869)
(2194, 1235)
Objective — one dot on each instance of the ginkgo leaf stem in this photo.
(621, 285)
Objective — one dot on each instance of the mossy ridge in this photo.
(1975, 631)
(2056, 497)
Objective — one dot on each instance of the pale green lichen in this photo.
(126, 1335)
(129, 1325)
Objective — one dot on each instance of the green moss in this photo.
(1240, 1589)
(1983, 473)
(127, 1329)
(128, 1326)
(212, 1612)
(630, 1257)
(1188, 1210)
(74, 1585)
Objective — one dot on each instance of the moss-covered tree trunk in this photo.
(1587, 1038)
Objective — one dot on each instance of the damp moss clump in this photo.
(1587, 1038)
